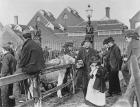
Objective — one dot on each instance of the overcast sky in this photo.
(122, 10)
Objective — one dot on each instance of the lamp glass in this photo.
(89, 11)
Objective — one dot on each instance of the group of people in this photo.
(93, 67)
(28, 59)
(99, 67)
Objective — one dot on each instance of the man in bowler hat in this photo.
(114, 59)
(83, 63)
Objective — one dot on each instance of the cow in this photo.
(62, 60)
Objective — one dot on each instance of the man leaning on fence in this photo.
(31, 62)
(8, 67)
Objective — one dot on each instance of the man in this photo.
(31, 59)
(8, 68)
(105, 52)
(104, 55)
(46, 53)
(83, 62)
(11, 45)
(114, 59)
(68, 48)
(133, 48)
(78, 81)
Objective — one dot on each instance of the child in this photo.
(96, 86)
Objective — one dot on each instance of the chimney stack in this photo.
(107, 12)
(16, 20)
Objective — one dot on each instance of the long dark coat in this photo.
(8, 65)
(86, 58)
(99, 83)
(32, 59)
(114, 63)
(114, 57)
(8, 68)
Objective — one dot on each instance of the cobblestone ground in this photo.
(76, 100)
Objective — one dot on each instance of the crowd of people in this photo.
(99, 67)
(28, 59)
(93, 67)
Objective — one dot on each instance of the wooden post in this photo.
(73, 77)
(136, 74)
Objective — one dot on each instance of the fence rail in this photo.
(22, 76)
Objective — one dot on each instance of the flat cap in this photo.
(109, 39)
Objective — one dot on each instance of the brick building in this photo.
(69, 26)
(102, 29)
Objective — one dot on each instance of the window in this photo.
(76, 34)
(65, 16)
(109, 32)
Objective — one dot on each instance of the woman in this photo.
(96, 86)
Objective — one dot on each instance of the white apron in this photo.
(93, 95)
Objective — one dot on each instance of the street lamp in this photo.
(89, 27)
(37, 36)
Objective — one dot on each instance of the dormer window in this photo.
(42, 12)
(38, 19)
(65, 16)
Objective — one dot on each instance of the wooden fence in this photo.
(21, 76)
(131, 98)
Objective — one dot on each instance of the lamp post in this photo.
(89, 27)
(37, 36)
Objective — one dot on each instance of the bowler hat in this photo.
(109, 39)
(132, 34)
(26, 33)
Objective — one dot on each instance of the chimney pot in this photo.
(107, 12)
(16, 20)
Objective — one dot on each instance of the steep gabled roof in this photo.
(136, 17)
(18, 29)
(69, 17)
(8, 35)
(46, 19)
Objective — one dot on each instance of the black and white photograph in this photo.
(69, 53)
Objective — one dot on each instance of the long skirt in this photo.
(95, 96)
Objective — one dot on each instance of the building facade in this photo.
(69, 26)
